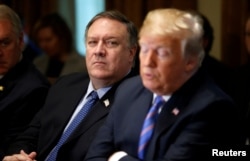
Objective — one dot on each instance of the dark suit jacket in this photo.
(22, 94)
(198, 115)
(47, 127)
(241, 94)
(219, 72)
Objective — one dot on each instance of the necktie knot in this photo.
(93, 96)
(159, 101)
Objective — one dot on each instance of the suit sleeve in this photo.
(28, 139)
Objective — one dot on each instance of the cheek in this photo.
(88, 59)
(115, 56)
(169, 71)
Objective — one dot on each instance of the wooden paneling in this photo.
(234, 14)
(31, 10)
(136, 10)
(130, 8)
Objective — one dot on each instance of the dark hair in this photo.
(208, 33)
(58, 26)
(115, 15)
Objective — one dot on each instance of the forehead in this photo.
(5, 27)
(45, 32)
(159, 40)
(107, 27)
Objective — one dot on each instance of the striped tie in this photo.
(91, 99)
(148, 126)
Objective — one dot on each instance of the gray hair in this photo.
(8, 14)
(115, 15)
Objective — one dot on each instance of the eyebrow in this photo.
(5, 39)
(105, 37)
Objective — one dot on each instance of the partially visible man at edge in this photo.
(22, 87)
(111, 44)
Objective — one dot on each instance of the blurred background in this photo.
(227, 17)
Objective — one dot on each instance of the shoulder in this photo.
(131, 83)
(208, 96)
(130, 87)
(25, 80)
(26, 72)
(41, 59)
(75, 63)
(76, 57)
(73, 79)
(200, 92)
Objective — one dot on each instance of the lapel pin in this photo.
(1, 88)
(175, 111)
(106, 102)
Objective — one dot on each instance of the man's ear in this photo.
(191, 63)
(132, 53)
(21, 41)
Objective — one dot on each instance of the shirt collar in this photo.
(100, 92)
(165, 97)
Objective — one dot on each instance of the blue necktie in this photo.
(91, 99)
(148, 126)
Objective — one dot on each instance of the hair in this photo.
(58, 26)
(115, 15)
(7, 13)
(178, 24)
(208, 31)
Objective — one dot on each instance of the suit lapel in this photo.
(169, 114)
(99, 111)
(7, 83)
(69, 104)
(173, 109)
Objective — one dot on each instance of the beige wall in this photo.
(211, 8)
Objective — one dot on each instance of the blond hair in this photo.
(179, 24)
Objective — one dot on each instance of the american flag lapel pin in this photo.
(106, 102)
(175, 111)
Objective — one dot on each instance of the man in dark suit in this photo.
(196, 116)
(241, 84)
(219, 72)
(111, 44)
(22, 88)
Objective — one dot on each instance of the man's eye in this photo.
(143, 49)
(4, 43)
(161, 52)
(111, 43)
(92, 43)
